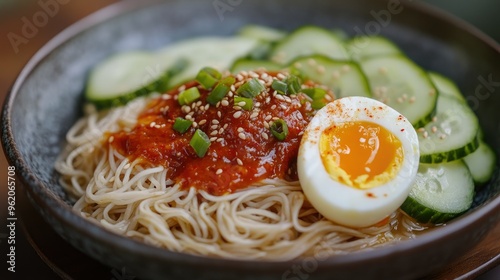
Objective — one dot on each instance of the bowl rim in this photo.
(66, 216)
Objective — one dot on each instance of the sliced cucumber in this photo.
(481, 163)
(262, 33)
(441, 192)
(308, 40)
(216, 52)
(403, 85)
(123, 77)
(344, 78)
(248, 64)
(362, 47)
(451, 135)
(445, 86)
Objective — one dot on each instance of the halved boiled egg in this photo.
(357, 161)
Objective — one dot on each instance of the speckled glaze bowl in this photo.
(46, 100)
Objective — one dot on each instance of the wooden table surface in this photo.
(40, 251)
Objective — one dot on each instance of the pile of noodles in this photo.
(271, 220)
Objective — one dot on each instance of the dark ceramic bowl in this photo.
(47, 99)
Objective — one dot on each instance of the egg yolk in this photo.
(360, 154)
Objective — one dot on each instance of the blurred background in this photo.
(483, 14)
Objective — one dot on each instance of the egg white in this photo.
(344, 204)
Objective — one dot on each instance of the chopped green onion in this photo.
(318, 104)
(315, 93)
(200, 143)
(251, 88)
(208, 77)
(188, 96)
(182, 125)
(220, 91)
(279, 129)
(279, 86)
(238, 101)
(294, 84)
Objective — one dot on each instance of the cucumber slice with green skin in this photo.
(248, 64)
(217, 52)
(123, 77)
(400, 83)
(263, 33)
(481, 163)
(445, 86)
(362, 47)
(308, 40)
(344, 78)
(451, 135)
(440, 193)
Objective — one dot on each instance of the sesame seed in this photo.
(219, 114)
(268, 99)
(254, 115)
(182, 88)
(434, 129)
(275, 118)
(239, 161)
(362, 140)
(230, 94)
(367, 169)
(283, 106)
(280, 97)
(152, 124)
(240, 129)
(320, 69)
(399, 100)
(111, 139)
(215, 121)
(212, 139)
(188, 117)
(266, 124)
(219, 171)
(311, 62)
(242, 103)
(202, 122)
(280, 76)
(237, 114)
(213, 133)
(220, 139)
(226, 125)
(225, 102)
(186, 109)
(265, 136)
(257, 104)
(127, 166)
(434, 119)
(179, 154)
(273, 107)
(426, 134)
(221, 130)
(421, 129)
(442, 136)
(412, 99)
(239, 77)
(207, 106)
(195, 124)
(233, 88)
(268, 117)
(215, 126)
(242, 135)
